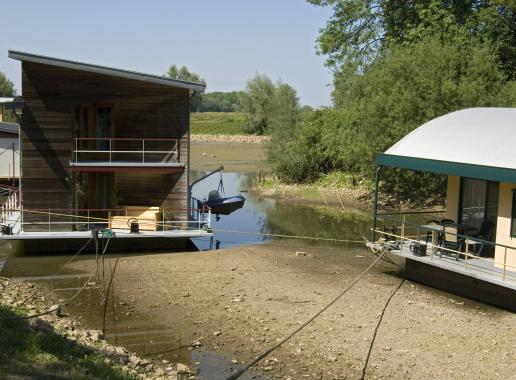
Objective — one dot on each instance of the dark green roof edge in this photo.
(489, 173)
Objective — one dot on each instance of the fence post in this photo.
(143, 151)
(110, 150)
(88, 220)
(48, 220)
(76, 149)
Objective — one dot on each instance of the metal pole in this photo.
(375, 203)
(110, 150)
(143, 151)
(76, 148)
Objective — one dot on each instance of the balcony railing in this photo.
(399, 235)
(125, 150)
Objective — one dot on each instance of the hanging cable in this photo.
(30, 296)
(58, 307)
(364, 368)
(282, 341)
(290, 236)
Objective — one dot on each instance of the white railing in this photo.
(66, 220)
(10, 214)
(405, 233)
(88, 149)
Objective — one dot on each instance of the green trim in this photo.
(489, 173)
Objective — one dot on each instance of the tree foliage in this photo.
(406, 86)
(6, 86)
(359, 31)
(220, 102)
(269, 106)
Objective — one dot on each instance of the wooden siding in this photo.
(141, 110)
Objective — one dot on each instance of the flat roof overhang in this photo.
(105, 70)
(112, 167)
(489, 173)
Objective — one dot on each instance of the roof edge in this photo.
(105, 70)
(489, 173)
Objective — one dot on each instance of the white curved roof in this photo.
(475, 136)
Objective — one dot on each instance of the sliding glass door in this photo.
(479, 202)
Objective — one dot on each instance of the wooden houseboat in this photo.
(102, 148)
(469, 249)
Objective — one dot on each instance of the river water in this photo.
(252, 224)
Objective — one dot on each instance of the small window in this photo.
(513, 215)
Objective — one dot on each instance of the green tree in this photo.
(6, 86)
(359, 31)
(269, 106)
(257, 103)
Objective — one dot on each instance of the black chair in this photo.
(485, 233)
(450, 240)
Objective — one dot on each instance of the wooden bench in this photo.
(148, 218)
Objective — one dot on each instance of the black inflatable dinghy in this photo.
(223, 206)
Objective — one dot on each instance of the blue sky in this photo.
(225, 41)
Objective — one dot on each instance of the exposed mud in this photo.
(242, 300)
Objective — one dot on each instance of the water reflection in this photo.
(266, 216)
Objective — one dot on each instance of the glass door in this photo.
(479, 202)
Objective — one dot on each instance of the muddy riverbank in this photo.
(55, 343)
(242, 300)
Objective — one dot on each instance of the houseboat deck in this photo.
(475, 267)
(119, 234)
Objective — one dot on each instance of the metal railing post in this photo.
(88, 220)
(110, 150)
(49, 220)
(76, 149)
(163, 220)
(466, 255)
(143, 151)
(504, 263)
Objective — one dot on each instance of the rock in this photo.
(196, 344)
(159, 372)
(205, 154)
(268, 368)
(234, 361)
(237, 299)
(165, 361)
(183, 368)
(135, 360)
(57, 310)
(217, 333)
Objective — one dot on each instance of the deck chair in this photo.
(450, 240)
(485, 233)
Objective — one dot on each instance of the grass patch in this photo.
(217, 123)
(46, 354)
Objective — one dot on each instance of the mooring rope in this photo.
(58, 307)
(289, 236)
(364, 368)
(30, 296)
(282, 341)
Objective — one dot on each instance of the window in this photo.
(513, 215)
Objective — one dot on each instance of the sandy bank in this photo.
(240, 301)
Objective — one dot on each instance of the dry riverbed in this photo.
(240, 301)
